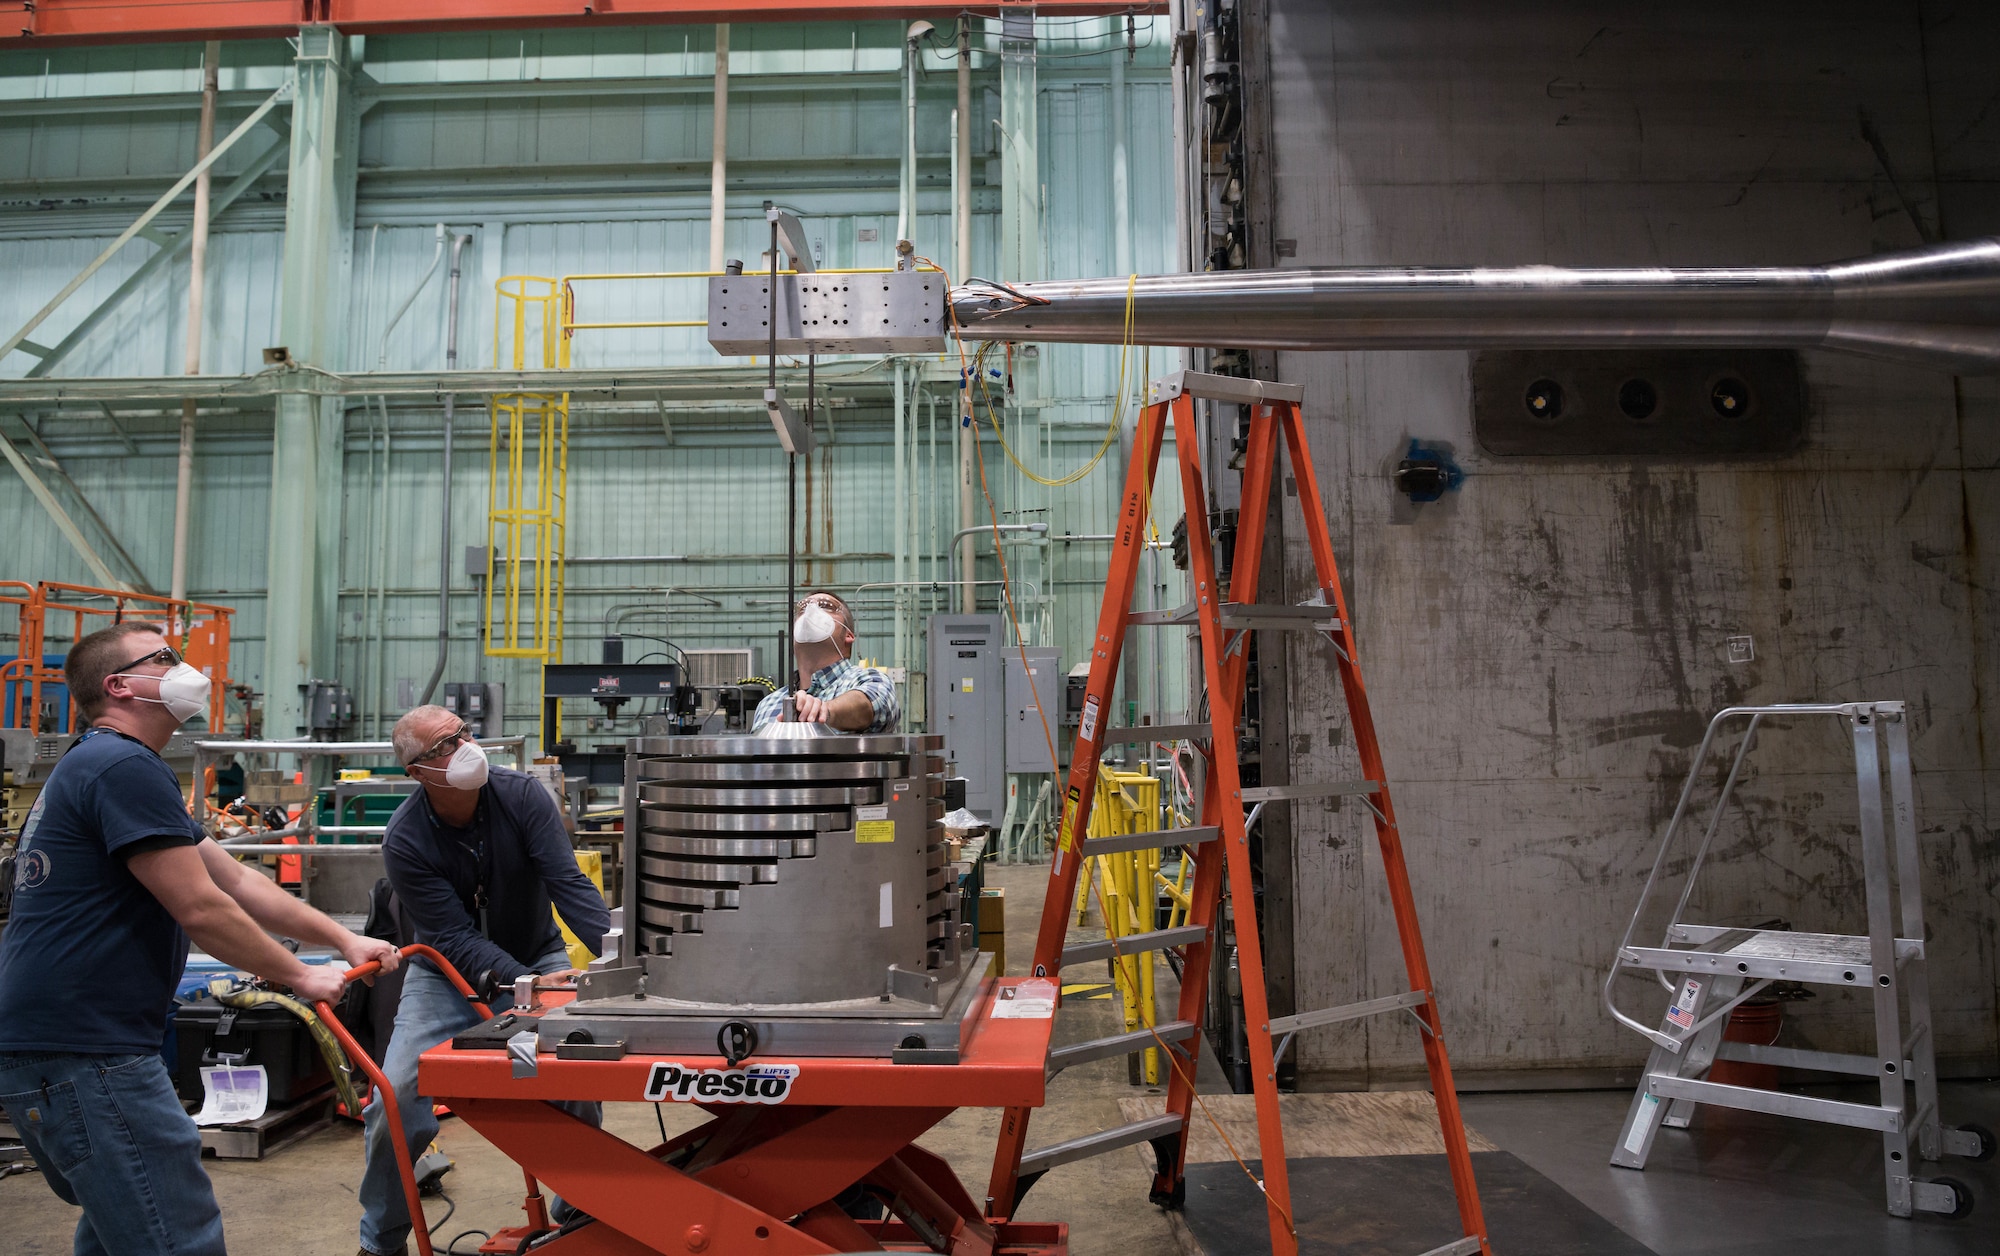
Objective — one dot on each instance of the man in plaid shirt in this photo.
(841, 693)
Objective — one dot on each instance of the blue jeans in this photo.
(431, 1011)
(110, 1135)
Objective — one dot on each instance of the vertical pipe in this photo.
(906, 188)
(211, 55)
(902, 513)
(1178, 68)
(1121, 199)
(792, 679)
(962, 205)
(719, 160)
(458, 243)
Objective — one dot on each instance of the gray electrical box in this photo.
(967, 706)
(1027, 742)
(481, 706)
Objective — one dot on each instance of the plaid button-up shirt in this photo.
(830, 682)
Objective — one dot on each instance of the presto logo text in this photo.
(758, 1083)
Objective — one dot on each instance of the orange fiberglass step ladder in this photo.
(1219, 844)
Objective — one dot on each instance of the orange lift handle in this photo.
(385, 1093)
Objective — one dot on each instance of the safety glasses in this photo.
(165, 656)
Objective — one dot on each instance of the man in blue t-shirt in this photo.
(477, 858)
(111, 880)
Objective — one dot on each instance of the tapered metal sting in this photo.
(1939, 306)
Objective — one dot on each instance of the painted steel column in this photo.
(719, 153)
(962, 205)
(304, 538)
(211, 57)
(1020, 164)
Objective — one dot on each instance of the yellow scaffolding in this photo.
(1129, 802)
(528, 478)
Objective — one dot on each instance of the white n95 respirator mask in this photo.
(814, 624)
(183, 691)
(466, 770)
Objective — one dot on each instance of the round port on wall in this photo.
(1544, 400)
(1729, 398)
(1638, 399)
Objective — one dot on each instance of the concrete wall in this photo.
(1545, 647)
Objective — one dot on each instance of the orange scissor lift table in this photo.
(760, 1176)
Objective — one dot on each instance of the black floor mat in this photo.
(1398, 1206)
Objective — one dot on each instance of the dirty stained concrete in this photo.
(1545, 646)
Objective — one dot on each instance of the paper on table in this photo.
(230, 1096)
(1031, 1000)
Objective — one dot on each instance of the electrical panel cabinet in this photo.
(1027, 740)
(481, 706)
(966, 693)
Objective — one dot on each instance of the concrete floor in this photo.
(1733, 1185)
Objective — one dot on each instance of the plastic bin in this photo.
(205, 1031)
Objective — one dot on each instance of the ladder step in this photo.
(1156, 732)
(1157, 839)
(1347, 1011)
(1042, 1159)
(1325, 789)
(1118, 1044)
(1308, 617)
(1132, 944)
(1186, 614)
(1834, 959)
(1467, 1246)
(1305, 618)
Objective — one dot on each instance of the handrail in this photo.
(386, 1092)
(1756, 715)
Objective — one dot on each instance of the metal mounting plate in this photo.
(888, 312)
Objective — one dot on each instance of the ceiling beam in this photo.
(58, 22)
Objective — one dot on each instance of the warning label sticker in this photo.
(875, 831)
(1682, 1011)
(1070, 803)
(756, 1083)
(1086, 728)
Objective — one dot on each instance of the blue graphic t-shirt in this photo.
(90, 959)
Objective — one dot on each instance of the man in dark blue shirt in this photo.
(112, 879)
(477, 857)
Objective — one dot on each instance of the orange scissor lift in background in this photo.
(1220, 843)
(199, 630)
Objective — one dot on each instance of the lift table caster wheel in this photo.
(1979, 1132)
(1961, 1196)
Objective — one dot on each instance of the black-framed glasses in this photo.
(165, 656)
(444, 743)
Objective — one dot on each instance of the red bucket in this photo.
(1757, 1023)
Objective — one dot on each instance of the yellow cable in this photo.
(1110, 431)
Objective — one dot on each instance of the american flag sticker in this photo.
(1682, 1011)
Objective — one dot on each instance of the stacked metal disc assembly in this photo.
(807, 871)
(785, 897)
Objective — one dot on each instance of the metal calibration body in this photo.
(791, 893)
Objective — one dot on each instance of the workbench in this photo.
(785, 1136)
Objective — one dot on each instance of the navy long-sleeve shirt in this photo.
(516, 853)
